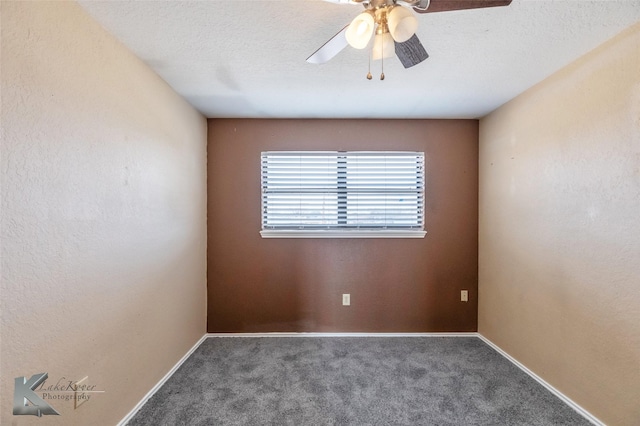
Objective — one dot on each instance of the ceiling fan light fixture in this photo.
(402, 23)
(383, 46)
(360, 30)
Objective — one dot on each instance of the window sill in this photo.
(356, 233)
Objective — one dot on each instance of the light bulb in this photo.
(383, 46)
(402, 23)
(360, 30)
(363, 26)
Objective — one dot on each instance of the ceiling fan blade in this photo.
(330, 49)
(447, 5)
(411, 52)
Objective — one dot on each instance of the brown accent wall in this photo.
(396, 285)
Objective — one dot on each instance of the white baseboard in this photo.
(584, 413)
(162, 381)
(296, 334)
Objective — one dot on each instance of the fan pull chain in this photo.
(369, 76)
(382, 59)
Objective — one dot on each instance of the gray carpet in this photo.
(352, 381)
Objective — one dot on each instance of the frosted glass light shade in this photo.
(360, 30)
(383, 46)
(402, 23)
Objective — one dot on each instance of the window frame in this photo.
(341, 228)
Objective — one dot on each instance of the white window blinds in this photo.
(342, 190)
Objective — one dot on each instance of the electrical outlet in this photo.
(464, 295)
(346, 299)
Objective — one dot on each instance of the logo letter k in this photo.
(24, 392)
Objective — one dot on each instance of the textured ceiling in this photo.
(247, 58)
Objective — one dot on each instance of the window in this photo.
(342, 194)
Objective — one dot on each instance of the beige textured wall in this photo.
(103, 215)
(559, 233)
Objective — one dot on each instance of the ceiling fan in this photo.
(392, 26)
